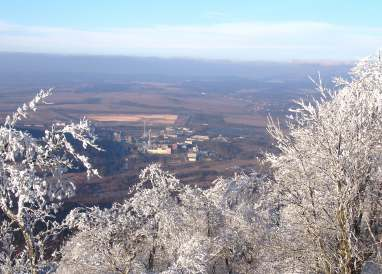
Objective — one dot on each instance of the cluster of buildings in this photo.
(179, 141)
(172, 140)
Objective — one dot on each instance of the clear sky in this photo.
(236, 29)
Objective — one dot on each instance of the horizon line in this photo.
(322, 61)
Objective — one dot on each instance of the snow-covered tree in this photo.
(168, 227)
(240, 235)
(328, 176)
(33, 186)
(138, 236)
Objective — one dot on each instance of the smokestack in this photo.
(149, 143)
(144, 128)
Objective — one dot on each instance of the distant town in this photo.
(177, 143)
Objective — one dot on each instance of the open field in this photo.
(160, 119)
(248, 120)
(156, 104)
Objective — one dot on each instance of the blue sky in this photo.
(214, 29)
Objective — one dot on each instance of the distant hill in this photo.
(49, 69)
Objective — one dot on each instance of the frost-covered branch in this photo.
(32, 181)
